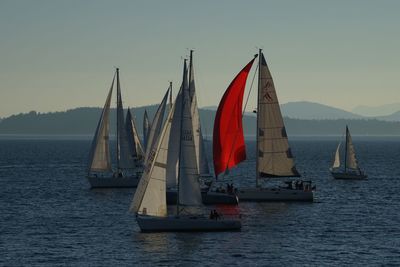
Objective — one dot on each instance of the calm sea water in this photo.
(50, 217)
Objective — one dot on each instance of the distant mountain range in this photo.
(310, 119)
(305, 110)
(315, 111)
(383, 110)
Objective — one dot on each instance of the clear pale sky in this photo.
(56, 55)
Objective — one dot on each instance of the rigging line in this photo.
(204, 129)
(248, 95)
(202, 96)
(243, 111)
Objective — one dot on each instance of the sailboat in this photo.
(209, 196)
(146, 128)
(129, 152)
(351, 169)
(149, 202)
(133, 136)
(274, 158)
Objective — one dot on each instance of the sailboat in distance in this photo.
(274, 158)
(146, 129)
(149, 202)
(129, 152)
(351, 169)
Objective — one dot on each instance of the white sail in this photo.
(173, 142)
(351, 161)
(146, 129)
(202, 161)
(156, 125)
(336, 163)
(124, 149)
(189, 187)
(134, 141)
(274, 155)
(150, 195)
(99, 158)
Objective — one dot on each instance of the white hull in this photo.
(274, 194)
(186, 224)
(113, 182)
(348, 176)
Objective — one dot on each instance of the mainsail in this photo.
(99, 158)
(336, 163)
(202, 161)
(156, 126)
(228, 140)
(351, 161)
(133, 137)
(124, 149)
(189, 187)
(274, 157)
(146, 129)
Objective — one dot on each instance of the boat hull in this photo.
(113, 182)
(186, 224)
(348, 176)
(208, 198)
(259, 194)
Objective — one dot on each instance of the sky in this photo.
(58, 55)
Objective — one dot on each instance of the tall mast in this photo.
(180, 134)
(190, 72)
(258, 114)
(170, 95)
(118, 95)
(345, 150)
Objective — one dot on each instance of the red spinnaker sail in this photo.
(228, 141)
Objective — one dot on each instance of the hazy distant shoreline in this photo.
(80, 123)
(208, 139)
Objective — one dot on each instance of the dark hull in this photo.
(113, 182)
(348, 176)
(208, 198)
(274, 194)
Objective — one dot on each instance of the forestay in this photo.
(274, 156)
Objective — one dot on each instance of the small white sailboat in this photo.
(149, 202)
(146, 128)
(133, 136)
(209, 196)
(129, 151)
(351, 169)
(274, 158)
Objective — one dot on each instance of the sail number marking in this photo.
(187, 135)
